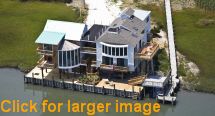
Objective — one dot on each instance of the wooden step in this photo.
(136, 80)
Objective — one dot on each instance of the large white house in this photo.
(123, 46)
(123, 39)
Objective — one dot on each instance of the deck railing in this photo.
(88, 49)
(42, 63)
(114, 68)
(44, 52)
(84, 62)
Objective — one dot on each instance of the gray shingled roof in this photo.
(128, 11)
(94, 32)
(128, 30)
(68, 46)
(123, 37)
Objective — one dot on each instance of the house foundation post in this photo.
(152, 67)
(42, 72)
(60, 73)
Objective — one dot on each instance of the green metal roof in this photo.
(52, 38)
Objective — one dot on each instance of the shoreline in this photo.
(25, 71)
(16, 68)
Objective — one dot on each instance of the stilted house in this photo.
(122, 47)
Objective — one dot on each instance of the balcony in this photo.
(88, 50)
(114, 68)
(148, 51)
(44, 52)
(42, 63)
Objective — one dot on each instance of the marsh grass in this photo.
(20, 25)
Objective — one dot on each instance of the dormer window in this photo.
(135, 28)
(114, 30)
(132, 16)
(143, 31)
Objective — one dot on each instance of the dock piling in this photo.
(114, 90)
(53, 83)
(33, 79)
(163, 99)
(103, 90)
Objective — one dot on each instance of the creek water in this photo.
(12, 87)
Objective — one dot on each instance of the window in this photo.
(113, 29)
(121, 51)
(60, 58)
(76, 57)
(117, 51)
(103, 48)
(68, 58)
(122, 62)
(47, 47)
(113, 51)
(107, 60)
(140, 44)
(106, 49)
(72, 58)
(125, 51)
(64, 58)
(109, 50)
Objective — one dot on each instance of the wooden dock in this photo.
(133, 94)
(164, 99)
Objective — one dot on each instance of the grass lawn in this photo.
(197, 43)
(21, 24)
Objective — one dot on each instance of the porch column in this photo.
(68, 73)
(122, 76)
(80, 69)
(60, 73)
(147, 64)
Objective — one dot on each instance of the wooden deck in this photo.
(88, 50)
(114, 68)
(45, 52)
(119, 86)
(148, 51)
(42, 63)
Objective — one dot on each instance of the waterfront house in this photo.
(123, 47)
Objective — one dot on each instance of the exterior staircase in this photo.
(136, 80)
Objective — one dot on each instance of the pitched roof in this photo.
(73, 31)
(128, 11)
(123, 37)
(52, 38)
(68, 46)
(141, 14)
(94, 32)
(124, 30)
